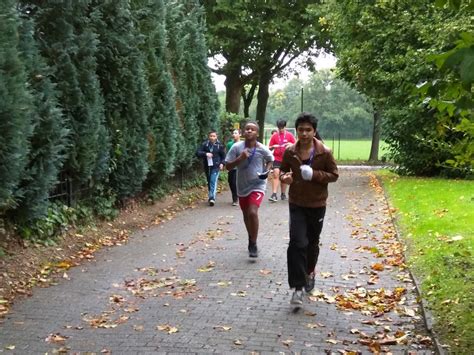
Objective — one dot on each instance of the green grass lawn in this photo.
(353, 150)
(436, 220)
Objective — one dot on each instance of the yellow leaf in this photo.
(222, 328)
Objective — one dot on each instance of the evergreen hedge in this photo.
(107, 94)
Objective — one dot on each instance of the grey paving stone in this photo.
(250, 297)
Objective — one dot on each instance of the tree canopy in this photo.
(384, 49)
(258, 40)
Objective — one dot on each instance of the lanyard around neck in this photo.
(252, 154)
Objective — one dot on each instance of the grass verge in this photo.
(350, 150)
(435, 218)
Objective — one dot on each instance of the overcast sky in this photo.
(324, 61)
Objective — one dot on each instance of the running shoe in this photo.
(212, 202)
(297, 297)
(309, 283)
(253, 250)
(283, 197)
(273, 198)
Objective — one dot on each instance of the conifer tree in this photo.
(122, 76)
(15, 107)
(196, 95)
(163, 118)
(69, 45)
(48, 139)
(208, 105)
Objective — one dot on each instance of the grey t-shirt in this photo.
(247, 170)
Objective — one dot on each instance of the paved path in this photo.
(187, 286)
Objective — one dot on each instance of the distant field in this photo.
(353, 149)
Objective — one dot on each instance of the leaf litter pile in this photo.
(388, 317)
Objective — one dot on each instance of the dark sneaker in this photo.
(283, 197)
(212, 202)
(234, 203)
(309, 283)
(273, 198)
(297, 297)
(253, 250)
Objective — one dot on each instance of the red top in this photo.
(281, 139)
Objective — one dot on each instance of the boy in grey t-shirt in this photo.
(251, 158)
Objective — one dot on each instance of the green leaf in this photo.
(466, 70)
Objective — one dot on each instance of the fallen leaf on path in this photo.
(409, 312)
(167, 328)
(239, 293)
(237, 342)
(377, 267)
(288, 342)
(265, 272)
(208, 267)
(224, 328)
(55, 338)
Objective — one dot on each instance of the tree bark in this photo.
(262, 97)
(233, 88)
(374, 149)
(247, 98)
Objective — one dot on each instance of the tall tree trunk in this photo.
(233, 88)
(247, 97)
(262, 97)
(374, 149)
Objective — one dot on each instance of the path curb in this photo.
(428, 318)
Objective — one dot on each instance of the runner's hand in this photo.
(306, 172)
(245, 154)
(209, 155)
(287, 178)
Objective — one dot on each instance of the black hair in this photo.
(254, 123)
(281, 123)
(212, 131)
(306, 117)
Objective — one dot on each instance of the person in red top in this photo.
(278, 143)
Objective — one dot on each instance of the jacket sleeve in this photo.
(221, 154)
(201, 151)
(330, 174)
(285, 164)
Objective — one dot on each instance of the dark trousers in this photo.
(232, 180)
(303, 250)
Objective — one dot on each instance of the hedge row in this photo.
(114, 95)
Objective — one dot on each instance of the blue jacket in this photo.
(217, 149)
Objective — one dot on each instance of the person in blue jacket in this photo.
(212, 154)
